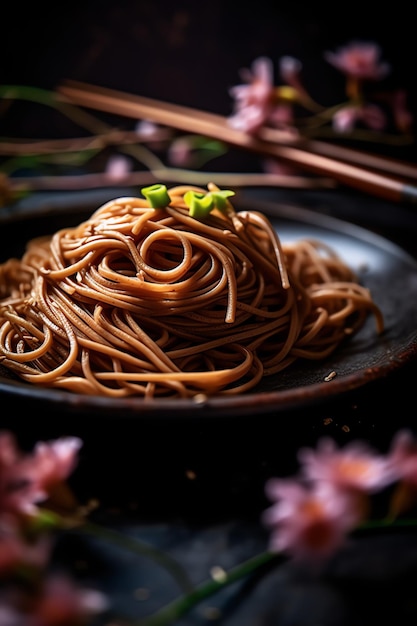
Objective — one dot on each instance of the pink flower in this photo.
(55, 460)
(118, 167)
(254, 100)
(403, 456)
(259, 82)
(62, 602)
(15, 550)
(19, 493)
(355, 467)
(26, 478)
(360, 60)
(153, 134)
(12, 548)
(146, 129)
(57, 601)
(370, 115)
(344, 119)
(9, 616)
(180, 152)
(290, 69)
(307, 522)
(402, 116)
(282, 116)
(403, 459)
(9, 453)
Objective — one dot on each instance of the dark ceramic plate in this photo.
(388, 271)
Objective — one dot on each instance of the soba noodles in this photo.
(173, 299)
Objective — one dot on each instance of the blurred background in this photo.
(191, 52)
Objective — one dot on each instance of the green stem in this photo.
(143, 549)
(192, 595)
(32, 94)
(51, 99)
(47, 520)
(388, 523)
(184, 604)
(143, 155)
(80, 117)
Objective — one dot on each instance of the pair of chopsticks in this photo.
(386, 178)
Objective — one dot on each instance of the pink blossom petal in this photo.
(359, 60)
(146, 129)
(344, 120)
(373, 117)
(307, 521)
(403, 456)
(402, 116)
(248, 119)
(15, 550)
(63, 602)
(25, 478)
(355, 466)
(8, 449)
(290, 68)
(56, 460)
(253, 101)
(118, 167)
(10, 616)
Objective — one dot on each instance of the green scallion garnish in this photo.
(157, 195)
(200, 204)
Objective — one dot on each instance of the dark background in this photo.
(191, 52)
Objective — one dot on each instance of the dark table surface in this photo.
(195, 488)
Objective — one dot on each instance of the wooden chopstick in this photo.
(388, 165)
(215, 126)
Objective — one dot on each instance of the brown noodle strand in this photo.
(253, 217)
(152, 302)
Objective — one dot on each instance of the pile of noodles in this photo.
(153, 302)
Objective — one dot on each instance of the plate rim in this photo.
(260, 402)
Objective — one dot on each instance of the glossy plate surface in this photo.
(388, 271)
